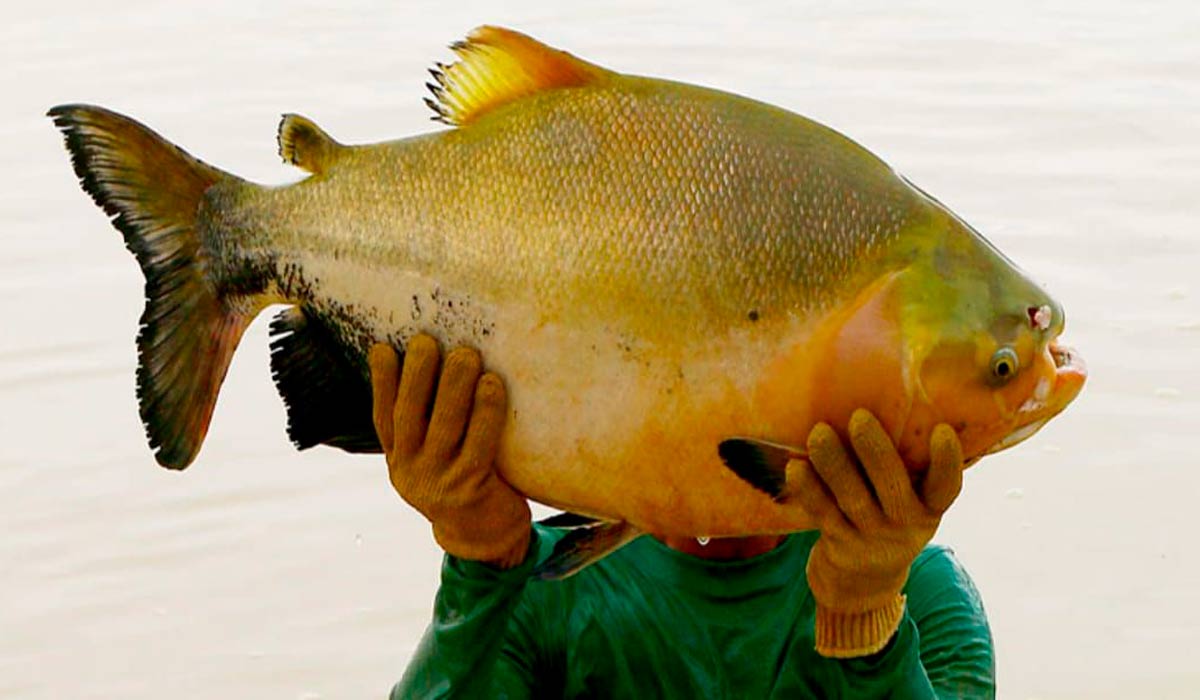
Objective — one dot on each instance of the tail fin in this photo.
(153, 190)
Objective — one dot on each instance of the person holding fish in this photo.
(687, 292)
(863, 607)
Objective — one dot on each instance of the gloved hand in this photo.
(872, 525)
(442, 462)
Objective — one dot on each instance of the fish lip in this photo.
(1067, 358)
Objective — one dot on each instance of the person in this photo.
(862, 607)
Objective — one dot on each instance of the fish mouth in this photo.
(1050, 397)
(1018, 436)
(1066, 358)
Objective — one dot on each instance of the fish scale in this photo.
(676, 283)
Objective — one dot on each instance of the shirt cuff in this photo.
(479, 571)
(899, 659)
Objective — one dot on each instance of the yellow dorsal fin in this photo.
(305, 145)
(497, 66)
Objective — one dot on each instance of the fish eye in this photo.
(1004, 364)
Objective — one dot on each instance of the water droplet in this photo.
(703, 541)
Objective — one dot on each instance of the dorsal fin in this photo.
(498, 66)
(305, 145)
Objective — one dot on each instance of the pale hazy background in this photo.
(1069, 135)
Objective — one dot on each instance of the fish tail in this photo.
(153, 190)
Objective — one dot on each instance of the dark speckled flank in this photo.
(318, 359)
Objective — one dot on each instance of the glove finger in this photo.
(881, 461)
(409, 419)
(385, 377)
(452, 407)
(805, 487)
(842, 476)
(487, 423)
(944, 481)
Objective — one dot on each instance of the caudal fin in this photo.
(152, 190)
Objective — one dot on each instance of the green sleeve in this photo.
(956, 642)
(943, 648)
(651, 619)
(463, 654)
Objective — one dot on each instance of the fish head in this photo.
(981, 348)
(949, 331)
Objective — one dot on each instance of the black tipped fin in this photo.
(584, 546)
(761, 464)
(324, 386)
(153, 191)
(305, 145)
(568, 520)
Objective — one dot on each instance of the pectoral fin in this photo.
(584, 546)
(761, 464)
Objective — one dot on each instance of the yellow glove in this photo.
(873, 525)
(442, 461)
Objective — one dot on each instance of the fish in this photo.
(675, 282)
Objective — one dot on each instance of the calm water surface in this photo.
(1070, 136)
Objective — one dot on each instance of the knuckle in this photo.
(479, 456)
(399, 482)
(446, 428)
(418, 370)
(864, 515)
(878, 454)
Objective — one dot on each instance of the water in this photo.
(1068, 134)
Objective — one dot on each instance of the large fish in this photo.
(676, 283)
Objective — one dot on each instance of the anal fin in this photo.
(583, 546)
(323, 384)
(568, 521)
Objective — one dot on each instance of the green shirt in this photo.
(648, 621)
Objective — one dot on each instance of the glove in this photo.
(442, 462)
(872, 525)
